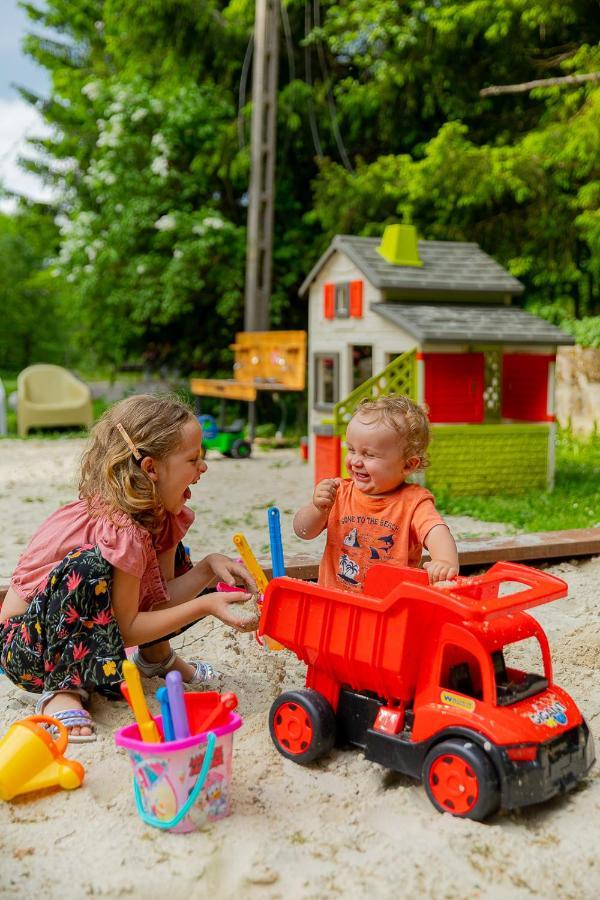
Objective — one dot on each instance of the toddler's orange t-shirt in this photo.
(362, 530)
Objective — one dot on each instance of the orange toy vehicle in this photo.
(417, 677)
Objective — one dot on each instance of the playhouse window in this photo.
(327, 377)
(454, 386)
(362, 364)
(342, 300)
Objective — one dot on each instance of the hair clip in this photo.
(136, 453)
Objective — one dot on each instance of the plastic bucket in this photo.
(180, 785)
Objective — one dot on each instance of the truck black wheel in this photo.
(302, 725)
(460, 779)
(241, 449)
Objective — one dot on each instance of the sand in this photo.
(341, 827)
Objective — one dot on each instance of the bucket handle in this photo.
(211, 740)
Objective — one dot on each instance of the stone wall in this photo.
(578, 388)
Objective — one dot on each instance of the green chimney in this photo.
(399, 245)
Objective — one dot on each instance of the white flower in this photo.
(138, 114)
(166, 223)
(141, 269)
(213, 222)
(91, 90)
(177, 253)
(160, 166)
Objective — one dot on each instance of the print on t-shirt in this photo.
(377, 545)
(348, 570)
(351, 539)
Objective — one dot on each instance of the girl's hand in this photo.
(230, 572)
(324, 493)
(225, 606)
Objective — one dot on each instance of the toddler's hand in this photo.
(438, 570)
(230, 609)
(324, 493)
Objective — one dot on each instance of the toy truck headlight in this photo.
(522, 753)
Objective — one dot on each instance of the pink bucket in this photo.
(180, 785)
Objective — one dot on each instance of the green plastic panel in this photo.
(488, 459)
(399, 377)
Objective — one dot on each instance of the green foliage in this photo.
(574, 503)
(379, 119)
(586, 331)
(35, 324)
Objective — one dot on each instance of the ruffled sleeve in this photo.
(125, 547)
(174, 529)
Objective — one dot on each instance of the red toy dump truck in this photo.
(417, 676)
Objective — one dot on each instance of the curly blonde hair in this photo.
(404, 416)
(109, 470)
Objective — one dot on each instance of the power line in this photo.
(308, 75)
(330, 99)
(288, 40)
(242, 90)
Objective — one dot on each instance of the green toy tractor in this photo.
(229, 441)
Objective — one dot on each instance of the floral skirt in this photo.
(68, 636)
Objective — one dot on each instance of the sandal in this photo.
(203, 671)
(70, 718)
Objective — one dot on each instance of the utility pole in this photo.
(259, 248)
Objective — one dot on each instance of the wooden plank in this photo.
(474, 552)
(535, 547)
(231, 390)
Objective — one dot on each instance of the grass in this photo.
(574, 502)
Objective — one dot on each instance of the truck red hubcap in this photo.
(293, 728)
(453, 784)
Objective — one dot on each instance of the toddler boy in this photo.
(374, 515)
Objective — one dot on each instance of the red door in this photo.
(525, 387)
(454, 384)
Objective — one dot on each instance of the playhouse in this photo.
(438, 321)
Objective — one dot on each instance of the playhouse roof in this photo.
(447, 266)
(489, 324)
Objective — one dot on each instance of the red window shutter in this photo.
(525, 387)
(329, 301)
(356, 299)
(454, 385)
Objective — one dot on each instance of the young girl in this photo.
(108, 570)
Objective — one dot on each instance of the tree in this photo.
(35, 324)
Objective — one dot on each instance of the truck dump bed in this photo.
(373, 641)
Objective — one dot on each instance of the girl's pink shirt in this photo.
(123, 543)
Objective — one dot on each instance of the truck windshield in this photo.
(518, 671)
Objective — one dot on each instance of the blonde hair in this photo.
(108, 467)
(405, 417)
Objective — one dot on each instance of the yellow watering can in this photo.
(31, 760)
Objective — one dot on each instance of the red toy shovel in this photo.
(227, 703)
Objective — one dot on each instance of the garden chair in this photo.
(49, 396)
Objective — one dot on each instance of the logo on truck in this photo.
(450, 699)
(551, 716)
